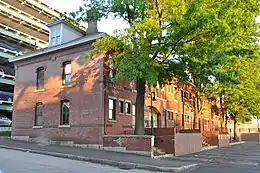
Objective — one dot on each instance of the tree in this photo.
(190, 39)
(242, 100)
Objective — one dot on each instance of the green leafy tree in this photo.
(242, 100)
(191, 40)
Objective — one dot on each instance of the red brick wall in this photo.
(210, 137)
(124, 122)
(130, 142)
(164, 139)
(85, 95)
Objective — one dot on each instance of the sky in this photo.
(108, 25)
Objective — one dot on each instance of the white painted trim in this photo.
(40, 90)
(37, 127)
(64, 126)
(112, 97)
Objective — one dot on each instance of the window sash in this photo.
(112, 107)
(65, 112)
(121, 106)
(40, 79)
(175, 94)
(66, 74)
(38, 115)
(128, 107)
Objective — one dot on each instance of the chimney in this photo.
(92, 27)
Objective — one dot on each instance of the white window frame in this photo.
(110, 117)
(128, 102)
(55, 37)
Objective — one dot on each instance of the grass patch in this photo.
(5, 133)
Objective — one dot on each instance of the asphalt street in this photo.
(244, 158)
(21, 162)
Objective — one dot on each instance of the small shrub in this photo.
(5, 133)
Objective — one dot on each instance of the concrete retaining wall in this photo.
(137, 144)
(186, 143)
(223, 140)
(5, 129)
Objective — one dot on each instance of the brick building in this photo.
(62, 94)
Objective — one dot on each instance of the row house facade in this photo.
(62, 94)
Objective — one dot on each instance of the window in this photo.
(133, 109)
(112, 70)
(163, 94)
(65, 112)
(172, 116)
(121, 106)
(170, 89)
(175, 93)
(38, 114)
(169, 115)
(187, 118)
(128, 108)
(157, 92)
(134, 84)
(55, 37)
(66, 73)
(112, 109)
(40, 78)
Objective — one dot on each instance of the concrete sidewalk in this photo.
(121, 160)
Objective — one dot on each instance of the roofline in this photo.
(66, 22)
(55, 48)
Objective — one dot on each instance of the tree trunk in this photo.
(222, 113)
(196, 110)
(139, 104)
(258, 128)
(235, 128)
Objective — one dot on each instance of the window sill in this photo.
(159, 98)
(128, 114)
(39, 90)
(64, 126)
(113, 121)
(37, 127)
(65, 86)
(122, 114)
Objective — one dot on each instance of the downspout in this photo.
(104, 75)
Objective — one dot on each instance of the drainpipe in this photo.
(105, 95)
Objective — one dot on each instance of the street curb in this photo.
(122, 165)
(237, 143)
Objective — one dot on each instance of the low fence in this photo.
(5, 129)
(136, 144)
(250, 137)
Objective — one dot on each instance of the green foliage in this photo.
(5, 133)
(242, 101)
(192, 40)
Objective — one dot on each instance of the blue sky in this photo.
(108, 25)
